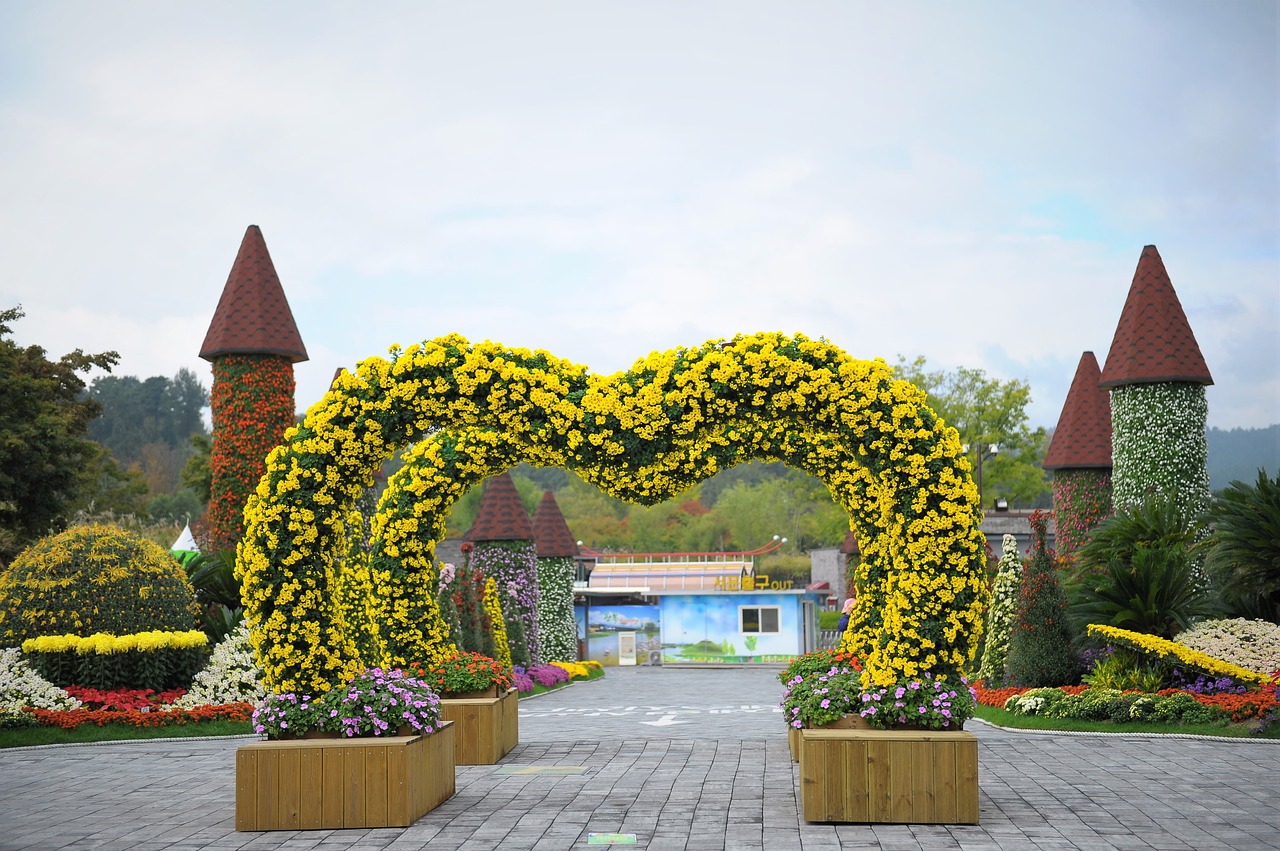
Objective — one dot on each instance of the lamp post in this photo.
(985, 450)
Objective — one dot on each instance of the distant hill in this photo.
(1237, 454)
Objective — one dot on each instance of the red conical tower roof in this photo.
(1083, 435)
(849, 546)
(1153, 340)
(501, 516)
(551, 531)
(253, 316)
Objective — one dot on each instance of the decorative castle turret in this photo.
(1156, 376)
(557, 555)
(253, 344)
(1079, 455)
(505, 551)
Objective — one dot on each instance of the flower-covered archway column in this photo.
(645, 435)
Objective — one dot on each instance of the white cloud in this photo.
(972, 184)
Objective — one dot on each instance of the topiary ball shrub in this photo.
(100, 579)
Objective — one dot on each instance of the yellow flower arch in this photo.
(471, 410)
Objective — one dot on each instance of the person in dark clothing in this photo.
(844, 616)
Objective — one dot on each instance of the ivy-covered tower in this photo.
(504, 550)
(253, 344)
(557, 554)
(1156, 376)
(1079, 455)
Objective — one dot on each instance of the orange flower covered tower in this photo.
(253, 344)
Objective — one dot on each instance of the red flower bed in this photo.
(71, 719)
(997, 696)
(1241, 707)
(123, 700)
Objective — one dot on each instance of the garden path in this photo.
(683, 759)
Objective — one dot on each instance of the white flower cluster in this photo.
(1025, 704)
(557, 627)
(1158, 445)
(1251, 644)
(231, 676)
(1004, 602)
(21, 686)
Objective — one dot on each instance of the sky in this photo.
(968, 182)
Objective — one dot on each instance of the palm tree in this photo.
(1242, 552)
(1158, 591)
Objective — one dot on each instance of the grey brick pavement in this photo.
(684, 759)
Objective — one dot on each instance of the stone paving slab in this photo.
(684, 759)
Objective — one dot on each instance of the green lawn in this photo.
(25, 736)
(1035, 722)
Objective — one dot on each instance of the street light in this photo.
(985, 450)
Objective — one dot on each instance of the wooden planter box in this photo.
(848, 722)
(889, 776)
(487, 728)
(310, 784)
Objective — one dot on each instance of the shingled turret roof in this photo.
(253, 316)
(1083, 435)
(849, 546)
(501, 516)
(551, 531)
(1153, 340)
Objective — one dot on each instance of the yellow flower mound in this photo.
(469, 411)
(105, 643)
(575, 670)
(1163, 648)
(94, 579)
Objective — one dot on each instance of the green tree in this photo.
(989, 412)
(1041, 651)
(148, 424)
(47, 464)
(197, 476)
(1242, 552)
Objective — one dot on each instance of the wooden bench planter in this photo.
(310, 784)
(889, 776)
(488, 728)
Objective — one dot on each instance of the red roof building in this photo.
(501, 516)
(1153, 341)
(1083, 436)
(550, 530)
(253, 316)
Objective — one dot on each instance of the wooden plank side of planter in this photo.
(889, 776)
(310, 784)
(487, 727)
(312, 789)
(430, 785)
(510, 721)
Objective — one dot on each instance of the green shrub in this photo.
(93, 579)
(1041, 651)
(1124, 671)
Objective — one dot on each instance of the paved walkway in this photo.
(683, 759)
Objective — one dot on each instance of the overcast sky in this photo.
(971, 182)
